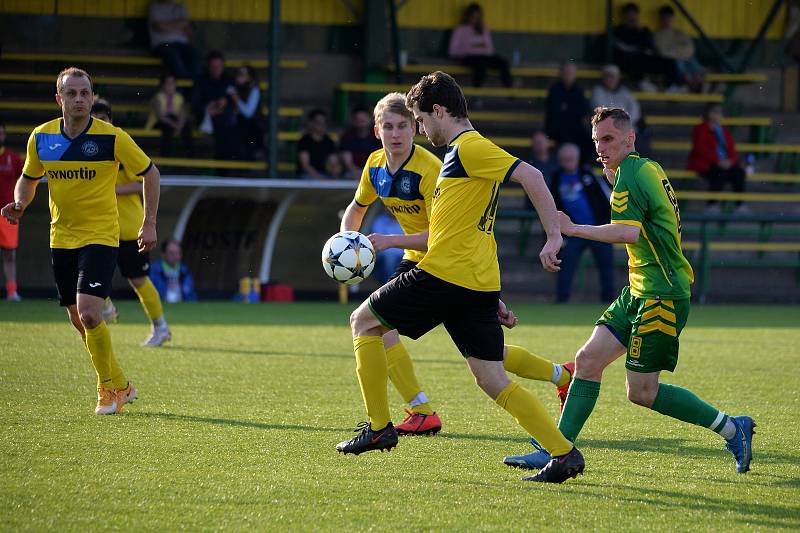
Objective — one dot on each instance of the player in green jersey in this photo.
(647, 318)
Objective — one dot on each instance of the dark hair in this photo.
(665, 10)
(214, 54)
(164, 76)
(166, 242)
(359, 109)
(711, 106)
(102, 107)
(244, 91)
(438, 88)
(316, 112)
(630, 7)
(620, 117)
(471, 9)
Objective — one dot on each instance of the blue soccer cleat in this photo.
(533, 461)
(741, 443)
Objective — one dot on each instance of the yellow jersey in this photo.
(81, 178)
(461, 245)
(130, 207)
(407, 193)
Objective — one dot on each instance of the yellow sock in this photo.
(150, 299)
(531, 415)
(565, 377)
(524, 364)
(401, 372)
(372, 371)
(109, 374)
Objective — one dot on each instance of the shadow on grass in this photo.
(765, 515)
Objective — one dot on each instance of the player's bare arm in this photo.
(353, 217)
(533, 182)
(611, 233)
(415, 241)
(24, 192)
(133, 187)
(152, 190)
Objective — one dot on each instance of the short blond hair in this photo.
(392, 103)
(71, 71)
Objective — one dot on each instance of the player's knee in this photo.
(358, 319)
(640, 395)
(90, 318)
(587, 365)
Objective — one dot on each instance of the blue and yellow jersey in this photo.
(643, 197)
(130, 207)
(81, 175)
(407, 193)
(461, 245)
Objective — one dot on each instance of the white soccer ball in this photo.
(348, 257)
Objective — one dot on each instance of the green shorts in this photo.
(648, 328)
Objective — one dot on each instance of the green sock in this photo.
(684, 405)
(579, 405)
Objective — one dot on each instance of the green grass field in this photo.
(237, 420)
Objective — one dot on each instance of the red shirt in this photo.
(704, 148)
(10, 171)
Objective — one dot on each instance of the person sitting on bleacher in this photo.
(170, 29)
(314, 147)
(542, 158)
(247, 104)
(358, 142)
(675, 44)
(714, 156)
(213, 107)
(636, 54)
(566, 117)
(471, 44)
(168, 113)
(610, 92)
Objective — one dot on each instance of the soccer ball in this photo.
(348, 257)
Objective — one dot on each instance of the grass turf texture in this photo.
(237, 420)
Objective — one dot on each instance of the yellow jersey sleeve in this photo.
(33, 166)
(128, 153)
(484, 159)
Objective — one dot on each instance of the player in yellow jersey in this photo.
(132, 263)
(457, 282)
(644, 323)
(403, 175)
(81, 157)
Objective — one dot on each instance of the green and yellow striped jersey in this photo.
(643, 197)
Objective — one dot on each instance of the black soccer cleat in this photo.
(368, 440)
(560, 469)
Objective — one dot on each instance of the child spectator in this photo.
(168, 113)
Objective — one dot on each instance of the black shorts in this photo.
(86, 270)
(132, 264)
(403, 266)
(415, 302)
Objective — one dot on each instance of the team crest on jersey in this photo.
(405, 185)
(90, 148)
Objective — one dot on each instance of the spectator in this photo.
(678, 46)
(543, 159)
(358, 142)
(636, 54)
(213, 107)
(585, 197)
(610, 92)
(334, 168)
(170, 30)
(10, 172)
(170, 276)
(387, 260)
(471, 44)
(168, 113)
(249, 120)
(314, 147)
(567, 110)
(714, 156)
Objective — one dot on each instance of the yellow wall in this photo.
(719, 18)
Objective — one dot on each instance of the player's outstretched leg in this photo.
(525, 364)
(421, 419)
(151, 302)
(682, 404)
(373, 373)
(529, 413)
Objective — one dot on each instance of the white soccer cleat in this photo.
(158, 337)
(109, 312)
